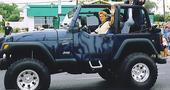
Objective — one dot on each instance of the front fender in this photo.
(22, 45)
(135, 43)
(14, 46)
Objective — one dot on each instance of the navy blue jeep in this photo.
(30, 58)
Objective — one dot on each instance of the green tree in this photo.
(159, 18)
(10, 12)
(149, 5)
(167, 17)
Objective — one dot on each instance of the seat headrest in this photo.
(83, 20)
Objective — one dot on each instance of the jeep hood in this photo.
(46, 35)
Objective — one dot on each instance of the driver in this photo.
(105, 25)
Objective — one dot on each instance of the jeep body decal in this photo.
(88, 46)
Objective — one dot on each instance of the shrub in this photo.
(16, 30)
(167, 17)
(159, 18)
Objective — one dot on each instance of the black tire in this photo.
(26, 66)
(143, 62)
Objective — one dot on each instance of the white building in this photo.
(34, 15)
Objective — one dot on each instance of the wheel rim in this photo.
(28, 80)
(140, 72)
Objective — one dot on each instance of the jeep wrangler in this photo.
(30, 58)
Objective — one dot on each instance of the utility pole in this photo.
(59, 12)
(77, 2)
(59, 7)
(164, 8)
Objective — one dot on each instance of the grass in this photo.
(1, 31)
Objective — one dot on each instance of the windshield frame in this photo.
(74, 18)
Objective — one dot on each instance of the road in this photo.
(65, 81)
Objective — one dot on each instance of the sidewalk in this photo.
(1, 34)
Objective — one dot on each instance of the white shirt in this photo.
(102, 29)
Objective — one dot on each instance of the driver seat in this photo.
(83, 21)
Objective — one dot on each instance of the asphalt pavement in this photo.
(65, 81)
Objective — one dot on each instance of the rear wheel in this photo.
(139, 71)
(27, 74)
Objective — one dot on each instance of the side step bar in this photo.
(96, 66)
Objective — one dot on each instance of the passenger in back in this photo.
(136, 21)
(130, 21)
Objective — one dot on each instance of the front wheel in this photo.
(139, 71)
(27, 74)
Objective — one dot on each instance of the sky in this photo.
(21, 3)
(29, 1)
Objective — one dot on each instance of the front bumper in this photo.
(1, 53)
(3, 63)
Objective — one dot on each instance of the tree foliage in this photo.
(10, 12)
(167, 17)
(149, 5)
(159, 18)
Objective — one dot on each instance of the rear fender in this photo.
(138, 44)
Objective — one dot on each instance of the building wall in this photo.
(47, 12)
(27, 22)
(37, 10)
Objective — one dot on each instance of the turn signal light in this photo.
(6, 46)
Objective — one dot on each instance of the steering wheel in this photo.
(86, 29)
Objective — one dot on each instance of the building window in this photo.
(43, 22)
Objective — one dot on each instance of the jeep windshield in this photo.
(68, 18)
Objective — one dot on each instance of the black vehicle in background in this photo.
(30, 58)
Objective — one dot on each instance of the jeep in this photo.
(31, 57)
